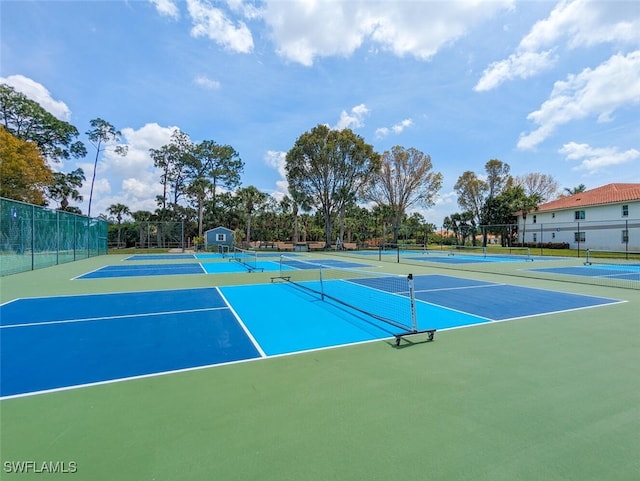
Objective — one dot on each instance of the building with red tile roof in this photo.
(604, 218)
(607, 194)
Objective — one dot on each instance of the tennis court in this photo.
(223, 266)
(60, 342)
(629, 272)
(256, 376)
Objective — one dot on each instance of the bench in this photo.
(284, 246)
(316, 246)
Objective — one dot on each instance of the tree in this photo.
(171, 159)
(498, 177)
(65, 186)
(197, 190)
(328, 168)
(28, 121)
(222, 167)
(251, 199)
(472, 193)
(524, 203)
(575, 190)
(462, 225)
(543, 185)
(102, 134)
(24, 174)
(119, 210)
(498, 214)
(404, 180)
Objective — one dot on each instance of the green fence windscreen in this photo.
(32, 237)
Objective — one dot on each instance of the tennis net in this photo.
(468, 250)
(631, 258)
(386, 297)
(247, 258)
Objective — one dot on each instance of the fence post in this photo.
(33, 237)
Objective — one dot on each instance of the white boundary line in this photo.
(242, 324)
(107, 318)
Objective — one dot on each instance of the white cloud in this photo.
(39, 93)
(382, 132)
(304, 30)
(399, 127)
(277, 160)
(584, 23)
(595, 160)
(166, 8)
(396, 129)
(353, 119)
(213, 23)
(601, 91)
(522, 66)
(207, 83)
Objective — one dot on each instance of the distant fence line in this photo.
(33, 237)
(618, 235)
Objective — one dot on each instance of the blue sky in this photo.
(548, 87)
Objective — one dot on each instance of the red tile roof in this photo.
(607, 194)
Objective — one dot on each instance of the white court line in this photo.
(572, 309)
(106, 318)
(244, 327)
(460, 288)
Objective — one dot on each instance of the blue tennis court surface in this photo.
(468, 259)
(630, 272)
(160, 257)
(222, 267)
(59, 342)
(144, 270)
(53, 342)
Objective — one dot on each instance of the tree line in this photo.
(339, 186)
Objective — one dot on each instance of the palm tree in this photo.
(576, 190)
(251, 199)
(119, 210)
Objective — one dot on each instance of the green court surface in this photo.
(551, 397)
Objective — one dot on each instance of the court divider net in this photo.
(386, 297)
(247, 258)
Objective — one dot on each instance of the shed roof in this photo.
(219, 228)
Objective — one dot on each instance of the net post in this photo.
(412, 300)
(321, 285)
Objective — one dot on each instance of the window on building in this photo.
(535, 237)
(579, 215)
(625, 211)
(221, 237)
(535, 219)
(579, 236)
(625, 236)
(553, 215)
(553, 235)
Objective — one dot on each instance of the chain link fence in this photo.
(33, 237)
